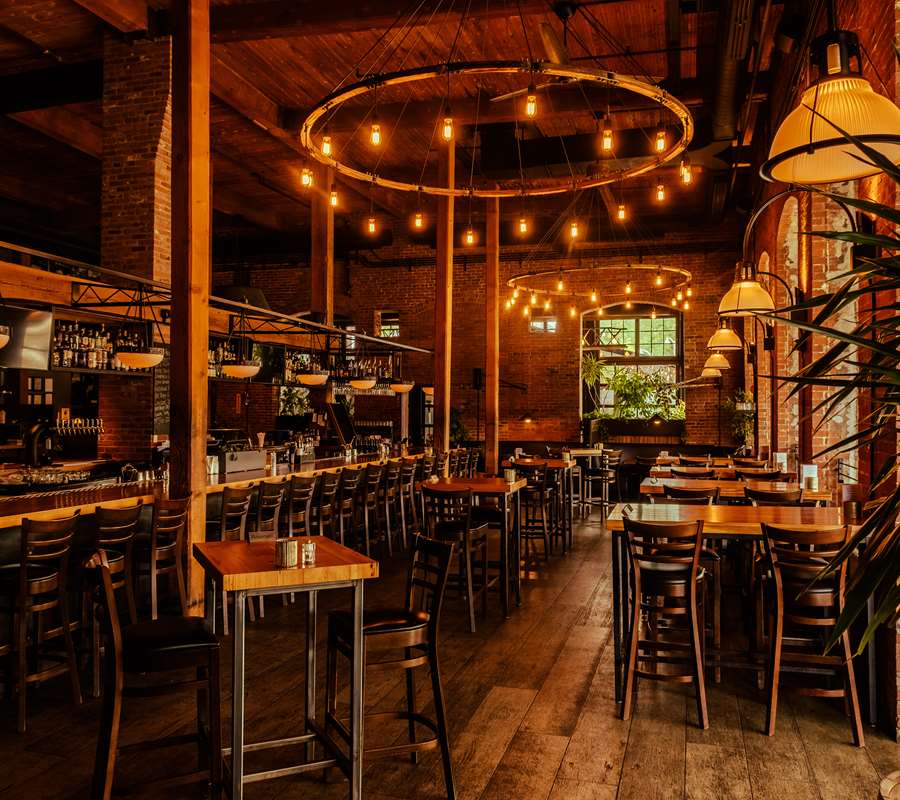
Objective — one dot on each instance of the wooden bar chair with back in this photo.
(162, 551)
(265, 524)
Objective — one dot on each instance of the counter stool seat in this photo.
(166, 643)
(382, 621)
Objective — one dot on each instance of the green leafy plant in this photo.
(870, 347)
(741, 412)
(636, 395)
(293, 401)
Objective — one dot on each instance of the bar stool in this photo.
(323, 503)
(448, 517)
(666, 579)
(371, 507)
(412, 630)
(301, 491)
(810, 609)
(267, 521)
(231, 526)
(162, 552)
(391, 503)
(409, 516)
(440, 465)
(114, 531)
(607, 477)
(29, 590)
(148, 648)
(453, 464)
(345, 505)
(536, 503)
(772, 497)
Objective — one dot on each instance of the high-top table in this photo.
(248, 570)
(719, 522)
(506, 493)
(567, 488)
(730, 489)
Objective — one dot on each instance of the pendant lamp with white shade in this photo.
(808, 147)
(717, 361)
(710, 372)
(724, 339)
(747, 296)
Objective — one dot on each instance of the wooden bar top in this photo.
(238, 566)
(729, 488)
(728, 520)
(482, 485)
(47, 505)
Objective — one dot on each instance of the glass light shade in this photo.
(530, 103)
(428, 391)
(745, 298)
(620, 214)
(523, 225)
(5, 334)
(606, 139)
(724, 339)
(710, 372)
(807, 149)
(326, 146)
(140, 359)
(363, 383)
(313, 378)
(717, 361)
(333, 199)
(447, 129)
(402, 387)
(239, 369)
(375, 134)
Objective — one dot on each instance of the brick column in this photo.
(136, 187)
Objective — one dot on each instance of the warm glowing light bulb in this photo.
(418, 220)
(447, 129)
(660, 191)
(560, 285)
(526, 311)
(375, 134)
(326, 146)
(686, 174)
(573, 229)
(593, 295)
(523, 225)
(470, 236)
(628, 286)
(533, 299)
(600, 311)
(515, 294)
(333, 198)
(659, 278)
(571, 311)
(628, 304)
(606, 138)
(508, 304)
(653, 313)
(531, 103)
(689, 292)
(686, 305)
(660, 140)
(372, 225)
(547, 304)
(512, 300)
(674, 303)
(679, 296)
(620, 214)
(306, 177)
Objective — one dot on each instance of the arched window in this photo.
(645, 338)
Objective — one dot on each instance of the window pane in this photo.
(658, 337)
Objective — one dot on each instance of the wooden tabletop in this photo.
(483, 485)
(238, 566)
(584, 452)
(728, 520)
(722, 473)
(552, 463)
(717, 461)
(729, 488)
(48, 505)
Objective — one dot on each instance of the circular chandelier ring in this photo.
(684, 275)
(597, 76)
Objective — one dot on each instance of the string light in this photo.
(659, 277)
(571, 311)
(326, 146)
(628, 304)
(620, 214)
(685, 170)
(686, 305)
(606, 138)
(470, 236)
(628, 286)
(547, 304)
(447, 129)
(306, 177)
(679, 295)
(375, 134)
(526, 311)
(653, 312)
(533, 299)
(523, 225)
(660, 140)
(689, 292)
(531, 102)
(674, 302)
(373, 225)
(560, 286)
(333, 198)
(508, 304)
(512, 300)
(593, 295)
(419, 221)
(660, 191)
(600, 311)
(516, 293)
(573, 229)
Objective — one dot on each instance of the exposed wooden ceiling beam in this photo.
(128, 16)
(230, 201)
(280, 19)
(54, 86)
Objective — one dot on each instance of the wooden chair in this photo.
(301, 491)
(371, 508)
(809, 610)
(453, 463)
(749, 463)
(162, 552)
(448, 518)
(409, 515)
(390, 496)
(114, 531)
(30, 590)
(440, 465)
(758, 474)
(694, 461)
(345, 506)
(159, 646)
(692, 472)
(323, 504)
(231, 526)
(687, 496)
(403, 638)
(266, 522)
(766, 497)
(536, 508)
(666, 579)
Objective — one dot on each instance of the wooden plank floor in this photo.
(531, 715)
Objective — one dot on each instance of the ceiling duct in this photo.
(734, 39)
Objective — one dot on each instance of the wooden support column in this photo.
(322, 245)
(804, 356)
(191, 265)
(492, 337)
(443, 299)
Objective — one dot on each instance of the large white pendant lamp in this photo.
(724, 339)
(717, 361)
(808, 148)
(747, 296)
(710, 372)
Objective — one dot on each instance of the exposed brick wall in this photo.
(126, 407)
(137, 157)
(250, 407)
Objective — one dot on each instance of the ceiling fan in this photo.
(557, 53)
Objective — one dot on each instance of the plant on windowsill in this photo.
(742, 414)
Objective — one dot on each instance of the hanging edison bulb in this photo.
(653, 312)
(326, 146)
(372, 226)
(689, 292)
(470, 236)
(560, 286)
(685, 171)
(659, 277)
(606, 137)
(660, 140)
(573, 229)
(628, 286)
(419, 221)
(447, 129)
(679, 295)
(516, 293)
(333, 198)
(620, 214)
(306, 177)
(534, 298)
(531, 102)
(508, 304)
(547, 304)
(526, 311)
(593, 295)
(628, 304)
(600, 311)
(674, 302)
(375, 134)
(523, 225)
(512, 300)
(686, 305)
(572, 311)
(660, 191)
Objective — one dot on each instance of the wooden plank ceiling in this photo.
(272, 60)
